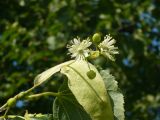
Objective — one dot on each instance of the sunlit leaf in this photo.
(66, 107)
(118, 104)
(90, 93)
(115, 95)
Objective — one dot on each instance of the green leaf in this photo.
(118, 104)
(66, 107)
(90, 93)
(109, 80)
(115, 95)
(48, 73)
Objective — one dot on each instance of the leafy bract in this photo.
(116, 96)
(66, 107)
(48, 73)
(90, 93)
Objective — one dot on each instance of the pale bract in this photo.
(79, 49)
(90, 93)
(107, 47)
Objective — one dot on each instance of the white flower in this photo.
(107, 47)
(79, 50)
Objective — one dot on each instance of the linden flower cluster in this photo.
(107, 47)
(80, 49)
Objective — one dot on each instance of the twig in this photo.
(3, 107)
(18, 96)
(44, 94)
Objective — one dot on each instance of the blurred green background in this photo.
(34, 33)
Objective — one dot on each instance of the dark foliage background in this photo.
(34, 33)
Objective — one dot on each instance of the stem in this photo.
(3, 107)
(6, 112)
(16, 97)
(44, 94)
(29, 90)
(11, 116)
(88, 65)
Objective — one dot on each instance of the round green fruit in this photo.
(91, 74)
(96, 38)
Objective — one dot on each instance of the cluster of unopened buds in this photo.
(93, 48)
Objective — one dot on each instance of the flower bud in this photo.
(94, 54)
(11, 102)
(96, 38)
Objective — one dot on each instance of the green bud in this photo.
(11, 102)
(94, 54)
(96, 38)
(91, 74)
